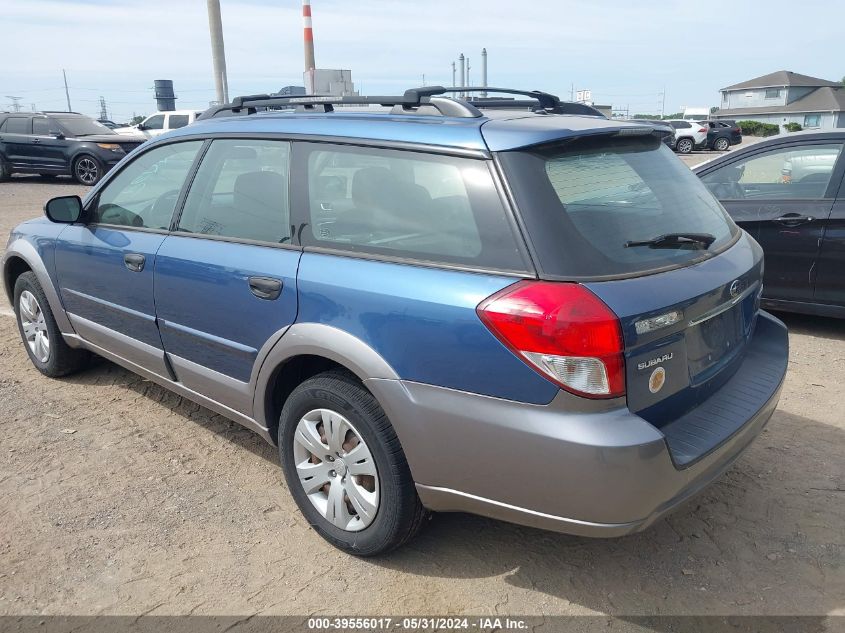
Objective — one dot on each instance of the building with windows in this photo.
(785, 97)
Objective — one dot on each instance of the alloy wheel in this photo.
(87, 171)
(336, 469)
(34, 326)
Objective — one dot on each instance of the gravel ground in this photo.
(119, 497)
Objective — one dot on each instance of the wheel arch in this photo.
(13, 268)
(305, 350)
(21, 257)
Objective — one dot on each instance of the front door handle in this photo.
(793, 219)
(265, 287)
(134, 262)
(36, 140)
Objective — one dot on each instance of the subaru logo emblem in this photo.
(735, 288)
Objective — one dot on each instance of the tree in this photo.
(136, 120)
(843, 80)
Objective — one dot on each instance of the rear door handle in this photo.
(265, 287)
(36, 140)
(134, 262)
(793, 219)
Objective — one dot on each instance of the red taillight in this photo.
(704, 129)
(563, 331)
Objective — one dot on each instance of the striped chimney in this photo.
(308, 35)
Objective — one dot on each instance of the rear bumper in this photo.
(589, 468)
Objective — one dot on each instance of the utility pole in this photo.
(218, 53)
(453, 74)
(463, 72)
(104, 114)
(663, 103)
(469, 83)
(484, 71)
(423, 78)
(67, 92)
(15, 105)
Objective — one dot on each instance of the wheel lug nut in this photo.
(332, 473)
(331, 459)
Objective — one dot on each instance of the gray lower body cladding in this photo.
(589, 468)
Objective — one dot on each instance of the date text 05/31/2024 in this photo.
(415, 623)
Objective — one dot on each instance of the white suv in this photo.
(161, 122)
(689, 135)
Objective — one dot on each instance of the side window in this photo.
(241, 191)
(798, 172)
(41, 126)
(144, 193)
(17, 125)
(155, 122)
(408, 204)
(177, 121)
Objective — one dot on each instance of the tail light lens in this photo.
(704, 129)
(563, 331)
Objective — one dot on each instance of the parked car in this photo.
(108, 123)
(56, 143)
(689, 135)
(787, 192)
(722, 134)
(582, 354)
(161, 122)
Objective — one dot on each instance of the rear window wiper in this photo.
(675, 240)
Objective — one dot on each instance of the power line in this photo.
(15, 105)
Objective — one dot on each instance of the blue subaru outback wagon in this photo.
(519, 309)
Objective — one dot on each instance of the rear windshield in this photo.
(584, 201)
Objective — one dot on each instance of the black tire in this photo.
(721, 144)
(62, 359)
(87, 170)
(5, 170)
(400, 514)
(684, 145)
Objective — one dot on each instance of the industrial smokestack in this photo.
(463, 72)
(308, 35)
(218, 53)
(484, 70)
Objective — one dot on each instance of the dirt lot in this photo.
(118, 497)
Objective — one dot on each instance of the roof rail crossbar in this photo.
(410, 100)
(563, 107)
(545, 99)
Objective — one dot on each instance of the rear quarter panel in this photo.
(421, 320)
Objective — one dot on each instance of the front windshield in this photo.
(82, 126)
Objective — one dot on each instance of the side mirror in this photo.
(64, 209)
(141, 126)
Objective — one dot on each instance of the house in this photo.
(785, 97)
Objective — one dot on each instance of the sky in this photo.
(626, 52)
